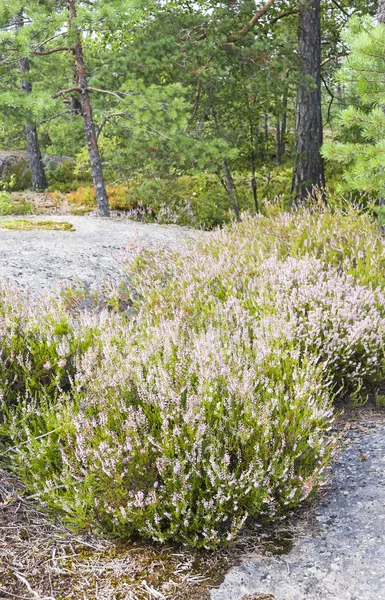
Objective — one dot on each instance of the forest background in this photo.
(192, 112)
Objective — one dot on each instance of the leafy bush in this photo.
(61, 175)
(194, 201)
(16, 177)
(212, 401)
(191, 201)
(9, 207)
(197, 431)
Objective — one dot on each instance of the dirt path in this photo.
(342, 555)
(39, 259)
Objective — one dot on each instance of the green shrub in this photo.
(61, 176)
(196, 431)
(211, 401)
(39, 347)
(16, 177)
(9, 207)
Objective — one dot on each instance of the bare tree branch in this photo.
(52, 50)
(65, 92)
(106, 120)
(92, 89)
(44, 42)
(341, 8)
(257, 16)
(334, 57)
(292, 11)
(76, 88)
(66, 112)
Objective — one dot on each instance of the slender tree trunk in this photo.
(228, 181)
(278, 142)
(231, 189)
(89, 126)
(266, 134)
(253, 169)
(309, 166)
(284, 125)
(39, 181)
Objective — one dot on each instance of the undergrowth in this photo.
(9, 207)
(201, 394)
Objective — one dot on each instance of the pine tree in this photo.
(72, 22)
(309, 167)
(39, 181)
(361, 144)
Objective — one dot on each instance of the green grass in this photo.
(28, 225)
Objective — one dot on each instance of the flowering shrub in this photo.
(183, 436)
(38, 345)
(211, 402)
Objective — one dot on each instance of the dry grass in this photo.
(41, 560)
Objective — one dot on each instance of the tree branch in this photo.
(106, 120)
(341, 8)
(53, 37)
(62, 114)
(292, 11)
(334, 57)
(92, 89)
(67, 91)
(52, 50)
(257, 16)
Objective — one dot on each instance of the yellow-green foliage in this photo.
(29, 224)
(9, 207)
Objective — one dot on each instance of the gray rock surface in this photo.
(342, 556)
(39, 259)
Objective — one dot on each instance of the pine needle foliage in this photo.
(360, 144)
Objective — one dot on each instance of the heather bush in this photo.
(350, 240)
(39, 346)
(211, 400)
(333, 317)
(182, 436)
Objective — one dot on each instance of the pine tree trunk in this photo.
(309, 166)
(381, 11)
(89, 126)
(284, 124)
(254, 186)
(278, 142)
(231, 189)
(266, 135)
(39, 181)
